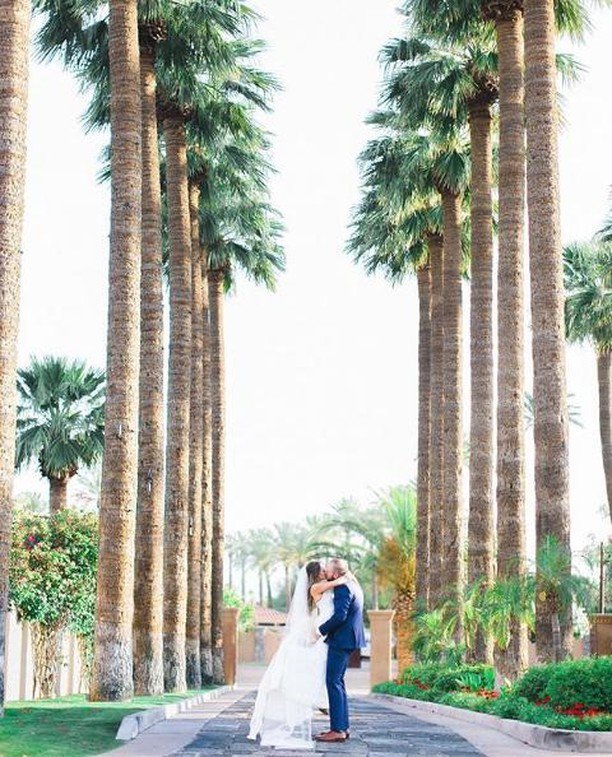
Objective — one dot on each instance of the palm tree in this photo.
(196, 446)
(112, 668)
(445, 162)
(397, 231)
(459, 83)
(148, 565)
(264, 558)
(236, 230)
(184, 98)
(206, 656)
(216, 293)
(60, 421)
(588, 317)
(179, 395)
(547, 302)
(14, 42)
(396, 564)
(435, 159)
(510, 493)
(294, 546)
(458, 21)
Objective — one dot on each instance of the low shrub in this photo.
(532, 684)
(443, 678)
(565, 685)
(588, 682)
(424, 675)
(473, 677)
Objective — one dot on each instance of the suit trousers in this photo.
(337, 663)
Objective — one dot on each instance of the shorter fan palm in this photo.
(60, 421)
(397, 563)
(588, 317)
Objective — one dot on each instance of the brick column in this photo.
(381, 622)
(229, 620)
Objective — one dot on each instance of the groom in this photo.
(344, 632)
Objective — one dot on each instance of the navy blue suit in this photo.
(345, 634)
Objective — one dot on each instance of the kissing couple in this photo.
(324, 625)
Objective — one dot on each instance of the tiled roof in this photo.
(264, 616)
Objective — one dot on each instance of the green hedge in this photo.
(542, 696)
(564, 684)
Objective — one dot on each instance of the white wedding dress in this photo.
(294, 682)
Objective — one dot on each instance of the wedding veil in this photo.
(299, 620)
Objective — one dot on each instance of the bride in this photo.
(294, 683)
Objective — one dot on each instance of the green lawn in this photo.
(69, 726)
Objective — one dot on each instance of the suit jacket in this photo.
(344, 630)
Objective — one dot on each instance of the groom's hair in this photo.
(339, 566)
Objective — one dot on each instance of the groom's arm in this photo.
(342, 603)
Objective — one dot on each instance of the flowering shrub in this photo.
(565, 684)
(52, 584)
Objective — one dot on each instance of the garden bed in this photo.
(572, 696)
(541, 737)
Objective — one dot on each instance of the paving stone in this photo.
(375, 730)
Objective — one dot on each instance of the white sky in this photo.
(322, 375)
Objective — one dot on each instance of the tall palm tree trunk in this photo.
(547, 303)
(179, 396)
(436, 517)
(196, 452)
(14, 43)
(113, 665)
(148, 583)
(269, 589)
(604, 375)
(217, 372)
(510, 494)
(58, 494)
(206, 655)
(480, 525)
(424, 438)
(453, 439)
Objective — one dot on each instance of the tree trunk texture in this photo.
(179, 396)
(14, 43)
(424, 438)
(404, 631)
(112, 677)
(480, 524)
(58, 494)
(604, 375)
(206, 655)
(452, 578)
(510, 493)
(196, 451)
(436, 513)
(149, 557)
(46, 649)
(217, 371)
(547, 303)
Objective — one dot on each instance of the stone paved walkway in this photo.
(375, 730)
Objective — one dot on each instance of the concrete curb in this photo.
(539, 736)
(132, 725)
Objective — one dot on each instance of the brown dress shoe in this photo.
(332, 737)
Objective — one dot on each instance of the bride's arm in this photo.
(321, 587)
